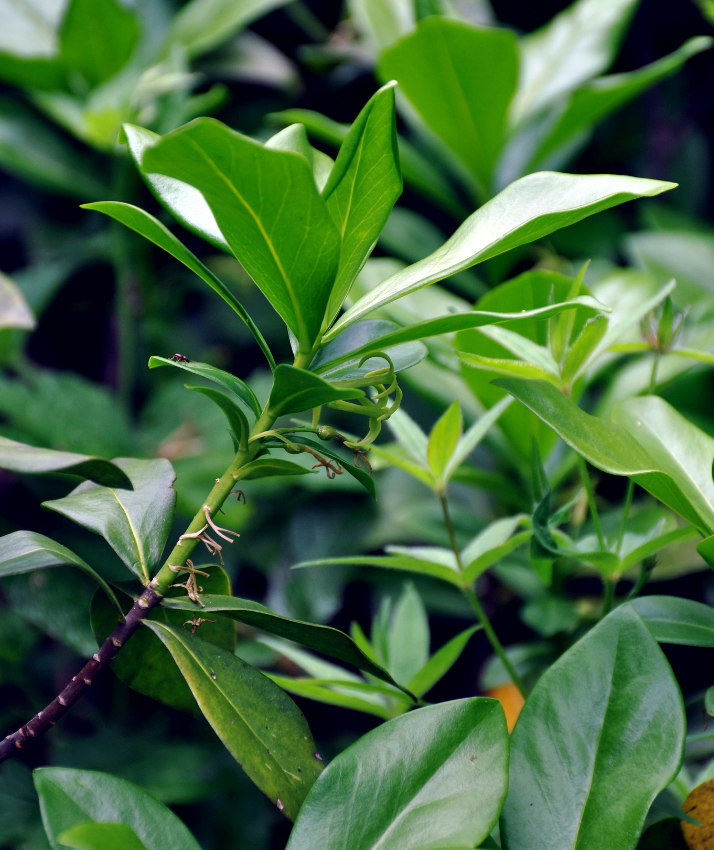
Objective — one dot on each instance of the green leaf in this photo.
(267, 206)
(594, 101)
(295, 390)
(408, 637)
(203, 24)
(528, 209)
(497, 540)
(647, 441)
(294, 138)
(267, 467)
(359, 474)
(569, 50)
(19, 457)
(97, 38)
(443, 442)
(601, 732)
(460, 79)
(674, 620)
(440, 663)
(153, 230)
(334, 693)
(324, 639)
(25, 551)
(239, 427)
(100, 836)
(582, 347)
(439, 774)
(362, 188)
(473, 436)
(15, 312)
(259, 724)
(135, 523)
(69, 797)
(409, 563)
(145, 665)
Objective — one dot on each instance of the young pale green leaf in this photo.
(260, 725)
(651, 545)
(237, 422)
(473, 436)
(599, 737)
(224, 379)
(100, 836)
(408, 638)
(19, 457)
(460, 79)
(582, 347)
(440, 663)
(70, 797)
(15, 312)
(509, 367)
(569, 50)
(362, 188)
(294, 138)
(328, 641)
(295, 390)
(153, 230)
(647, 440)
(528, 209)
(522, 347)
(135, 523)
(97, 38)
(587, 106)
(393, 454)
(674, 620)
(408, 563)
(267, 206)
(439, 775)
(26, 551)
(497, 540)
(334, 692)
(267, 467)
(443, 442)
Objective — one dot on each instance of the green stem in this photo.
(475, 603)
(587, 484)
(609, 596)
(625, 514)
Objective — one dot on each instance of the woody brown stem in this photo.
(49, 715)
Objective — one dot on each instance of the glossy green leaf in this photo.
(19, 457)
(153, 230)
(357, 472)
(100, 836)
(439, 773)
(294, 138)
(145, 665)
(14, 309)
(237, 422)
(528, 209)
(440, 663)
(324, 639)
(594, 101)
(362, 188)
(674, 620)
(582, 347)
(69, 797)
(203, 24)
(599, 737)
(408, 563)
(258, 723)
(26, 551)
(443, 441)
(295, 390)
(267, 206)
(135, 522)
(647, 440)
(97, 38)
(569, 50)
(338, 693)
(460, 79)
(267, 467)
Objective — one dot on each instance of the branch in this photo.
(49, 715)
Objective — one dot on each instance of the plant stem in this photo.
(475, 603)
(609, 595)
(625, 513)
(587, 484)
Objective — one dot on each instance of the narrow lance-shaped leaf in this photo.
(258, 723)
(362, 188)
(19, 457)
(598, 738)
(135, 522)
(267, 206)
(528, 209)
(443, 441)
(296, 389)
(674, 620)
(412, 782)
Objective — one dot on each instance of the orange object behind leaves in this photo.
(700, 805)
(511, 699)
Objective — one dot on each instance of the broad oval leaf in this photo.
(267, 206)
(259, 724)
(674, 620)
(434, 778)
(598, 738)
(25, 551)
(101, 836)
(69, 797)
(296, 389)
(135, 523)
(528, 209)
(20, 457)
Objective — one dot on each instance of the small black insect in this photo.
(180, 358)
